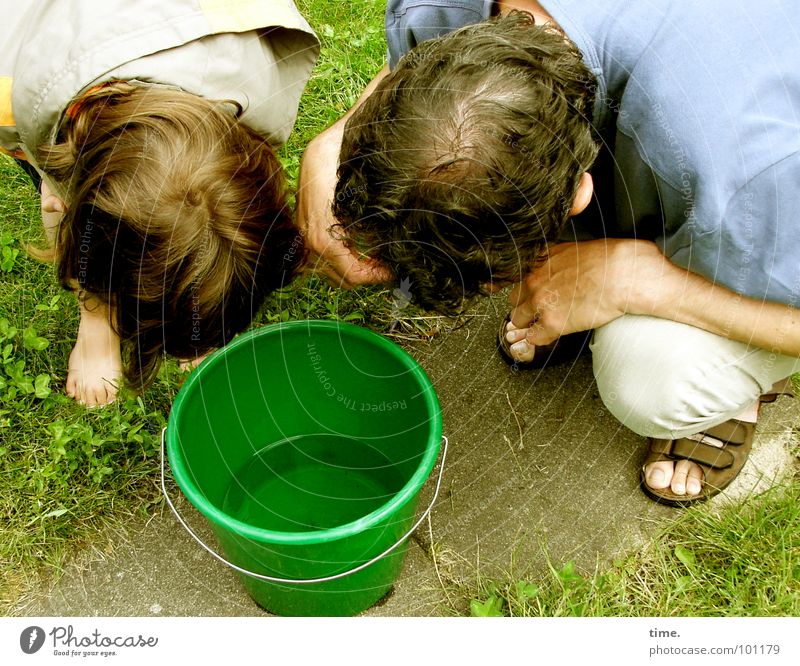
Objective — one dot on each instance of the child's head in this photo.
(176, 217)
(465, 161)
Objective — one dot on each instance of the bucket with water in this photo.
(305, 445)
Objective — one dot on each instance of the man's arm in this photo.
(317, 182)
(585, 285)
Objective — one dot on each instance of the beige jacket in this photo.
(256, 53)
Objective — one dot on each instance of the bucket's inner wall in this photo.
(295, 382)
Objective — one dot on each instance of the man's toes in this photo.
(522, 351)
(659, 474)
(687, 478)
(694, 480)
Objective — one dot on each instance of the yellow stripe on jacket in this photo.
(243, 15)
(6, 113)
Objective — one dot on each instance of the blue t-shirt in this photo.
(699, 102)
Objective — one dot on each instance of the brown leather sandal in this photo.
(720, 465)
(566, 348)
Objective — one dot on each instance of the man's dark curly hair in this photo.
(463, 164)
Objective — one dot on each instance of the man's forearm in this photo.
(691, 299)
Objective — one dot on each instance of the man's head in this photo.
(465, 161)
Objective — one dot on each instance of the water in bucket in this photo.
(311, 482)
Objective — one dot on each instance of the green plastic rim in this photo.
(198, 499)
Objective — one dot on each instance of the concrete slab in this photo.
(536, 468)
(535, 460)
(156, 569)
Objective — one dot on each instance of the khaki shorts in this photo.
(667, 380)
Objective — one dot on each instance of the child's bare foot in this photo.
(186, 365)
(95, 364)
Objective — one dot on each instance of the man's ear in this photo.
(584, 194)
(368, 271)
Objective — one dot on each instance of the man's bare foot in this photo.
(686, 477)
(521, 350)
(95, 364)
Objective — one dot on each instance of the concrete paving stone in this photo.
(153, 569)
(157, 569)
(536, 462)
(538, 468)
(416, 592)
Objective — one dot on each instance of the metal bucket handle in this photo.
(299, 581)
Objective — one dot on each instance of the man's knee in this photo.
(663, 379)
(650, 409)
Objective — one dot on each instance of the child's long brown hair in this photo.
(176, 217)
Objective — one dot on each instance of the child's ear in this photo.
(52, 204)
(584, 194)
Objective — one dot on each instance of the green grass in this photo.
(64, 471)
(741, 562)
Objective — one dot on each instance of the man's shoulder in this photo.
(410, 22)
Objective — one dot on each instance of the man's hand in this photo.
(584, 285)
(327, 254)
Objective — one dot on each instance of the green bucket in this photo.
(305, 445)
